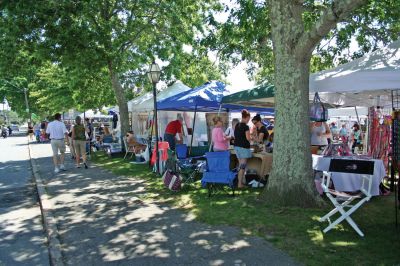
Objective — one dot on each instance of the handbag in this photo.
(318, 112)
(172, 181)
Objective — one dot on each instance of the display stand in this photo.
(395, 156)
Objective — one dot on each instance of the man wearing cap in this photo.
(58, 132)
(173, 128)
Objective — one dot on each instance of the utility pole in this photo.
(4, 113)
(27, 105)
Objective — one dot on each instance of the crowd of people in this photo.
(79, 135)
(242, 137)
(323, 134)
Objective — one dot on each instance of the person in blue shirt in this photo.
(343, 132)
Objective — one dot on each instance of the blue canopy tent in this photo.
(204, 98)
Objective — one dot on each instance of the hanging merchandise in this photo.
(379, 135)
(114, 120)
(337, 149)
(318, 111)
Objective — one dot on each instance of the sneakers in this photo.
(86, 166)
(62, 167)
(56, 170)
(78, 166)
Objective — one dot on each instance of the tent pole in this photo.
(358, 118)
(150, 141)
(194, 124)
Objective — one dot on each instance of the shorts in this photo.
(243, 153)
(58, 145)
(171, 140)
(80, 146)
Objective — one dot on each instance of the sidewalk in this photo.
(101, 220)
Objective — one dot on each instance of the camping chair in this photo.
(218, 172)
(163, 147)
(188, 167)
(366, 169)
(128, 149)
(187, 170)
(142, 156)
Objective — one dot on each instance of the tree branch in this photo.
(339, 10)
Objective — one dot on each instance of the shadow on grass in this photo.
(294, 230)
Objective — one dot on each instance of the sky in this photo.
(238, 78)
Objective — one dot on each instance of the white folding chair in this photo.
(364, 168)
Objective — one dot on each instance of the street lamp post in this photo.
(154, 77)
(27, 105)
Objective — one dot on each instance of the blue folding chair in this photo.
(218, 172)
(181, 151)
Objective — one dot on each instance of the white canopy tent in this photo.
(143, 106)
(367, 81)
(138, 100)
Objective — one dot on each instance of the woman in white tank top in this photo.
(319, 135)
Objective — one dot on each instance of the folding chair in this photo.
(218, 171)
(366, 169)
(189, 168)
(128, 149)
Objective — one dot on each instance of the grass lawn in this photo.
(294, 230)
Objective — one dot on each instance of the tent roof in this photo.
(362, 81)
(364, 98)
(378, 70)
(262, 95)
(138, 100)
(148, 104)
(204, 98)
(92, 114)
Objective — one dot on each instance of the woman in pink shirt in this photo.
(220, 141)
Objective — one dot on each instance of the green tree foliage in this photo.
(51, 86)
(246, 34)
(118, 35)
(192, 70)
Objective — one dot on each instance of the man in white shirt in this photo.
(58, 132)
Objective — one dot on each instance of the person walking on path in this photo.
(30, 131)
(58, 132)
(79, 141)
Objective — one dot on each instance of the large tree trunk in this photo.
(291, 181)
(121, 100)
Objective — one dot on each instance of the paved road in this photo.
(103, 221)
(22, 240)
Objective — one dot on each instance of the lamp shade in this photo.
(154, 73)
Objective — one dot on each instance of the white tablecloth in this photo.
(350, 182)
